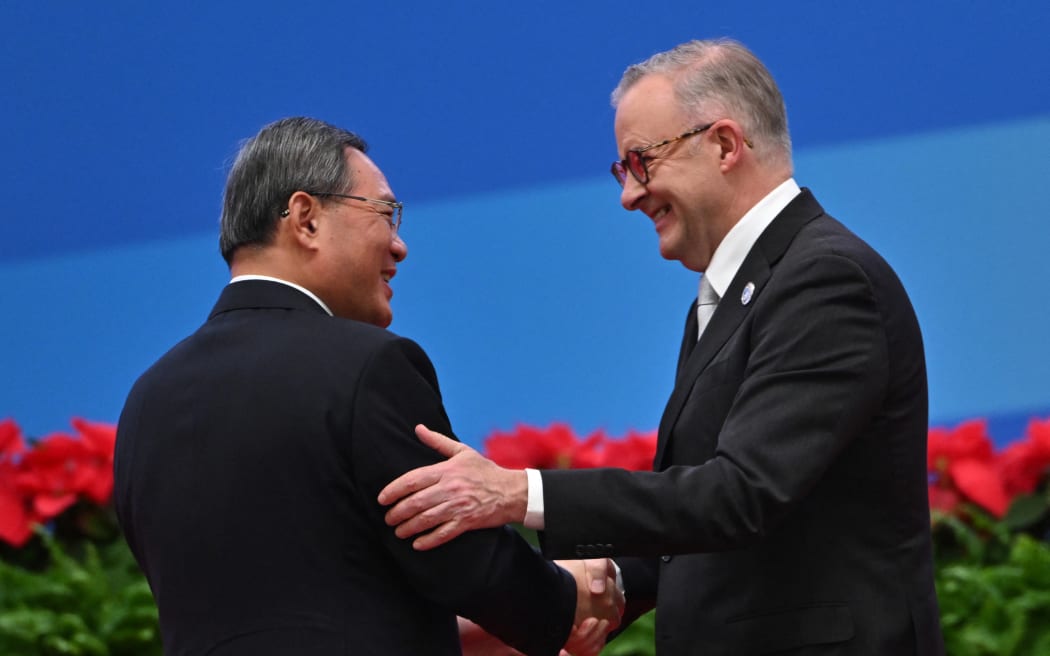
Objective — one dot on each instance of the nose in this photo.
(632, 193)
(398, 248)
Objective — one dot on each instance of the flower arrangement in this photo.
(68, 583)
(558, 447)
(967, 475)
(37, 484)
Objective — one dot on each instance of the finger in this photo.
(588, 637)
(425, 520)
(439, 536)
(587, 627)
(596, 574)
(446, 446)
(420, 511)
(410, 483)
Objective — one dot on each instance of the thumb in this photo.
(446, 446)
(596, 570)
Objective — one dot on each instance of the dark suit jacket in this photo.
(248, 461)
(788, 512)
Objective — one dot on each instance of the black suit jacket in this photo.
(248, 461)
(788, 511)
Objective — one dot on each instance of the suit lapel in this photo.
(756, 269)
(688, 338)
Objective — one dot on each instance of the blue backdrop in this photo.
(926, 129)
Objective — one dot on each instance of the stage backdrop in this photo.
(924, 128)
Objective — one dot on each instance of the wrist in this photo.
(516, 497)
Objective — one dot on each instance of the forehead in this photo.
(368, 179)
(648, 112)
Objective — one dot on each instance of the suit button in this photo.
(666, 559)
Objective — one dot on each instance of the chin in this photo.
(384, 319)
(668, 251)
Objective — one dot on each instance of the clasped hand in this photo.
(599, 605)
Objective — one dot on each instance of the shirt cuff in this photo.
(534, 509)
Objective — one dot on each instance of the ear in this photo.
(303, 219)
(731, 141)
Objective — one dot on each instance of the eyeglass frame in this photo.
(624, 164)
(395, 218)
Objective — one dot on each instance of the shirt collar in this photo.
(284, 282)
(741, 237)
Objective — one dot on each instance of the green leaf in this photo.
(638, 639)
(1026, 511)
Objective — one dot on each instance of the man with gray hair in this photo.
(249, 457)
(787, 511)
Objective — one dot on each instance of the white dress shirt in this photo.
(285, 282)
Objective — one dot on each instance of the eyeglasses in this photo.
(394, 218)
(637, 163)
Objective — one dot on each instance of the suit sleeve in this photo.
(492, 577)
(816, 372)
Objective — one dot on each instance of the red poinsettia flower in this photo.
(635, 451)
(962, 459)
(588, 452)
(1024, 463)
(96, 481)
(557, 447)
(537, 448)
(62, 468)
(16, 524)
(49, 476)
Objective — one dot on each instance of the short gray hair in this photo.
(289, 155)
(721, 76)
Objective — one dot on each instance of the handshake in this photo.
(599, 607)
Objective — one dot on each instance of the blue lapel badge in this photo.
(745, 296)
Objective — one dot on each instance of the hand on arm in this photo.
(464, 493)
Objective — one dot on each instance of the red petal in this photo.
(99, 438)
(50, 505)
(15, 524)
(980, 482)
(11, 441)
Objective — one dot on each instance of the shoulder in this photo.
(825, 246)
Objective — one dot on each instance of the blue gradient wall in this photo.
(536, 295)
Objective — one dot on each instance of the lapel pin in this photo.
(745, 296)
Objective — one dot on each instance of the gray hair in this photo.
(722, 79)
(289, 155)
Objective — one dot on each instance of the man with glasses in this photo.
(249, 457)
(788, 511)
